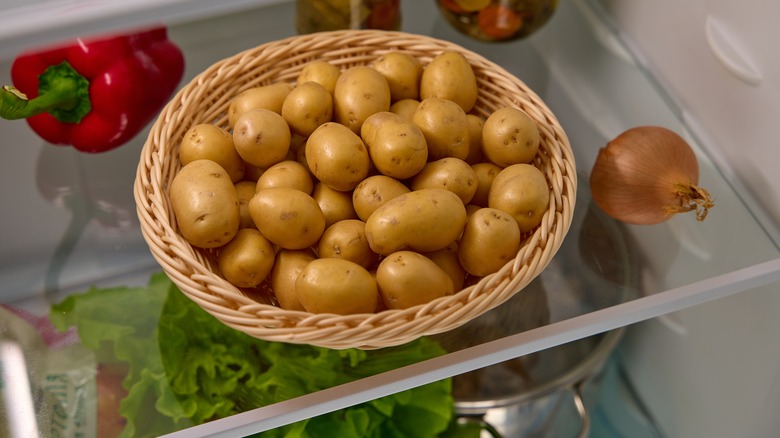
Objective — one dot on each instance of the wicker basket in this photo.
(206, 99)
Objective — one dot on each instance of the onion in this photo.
(646, 175)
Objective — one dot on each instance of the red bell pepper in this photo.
(94, 94)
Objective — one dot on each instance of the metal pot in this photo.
(595, 268)
(533, 411)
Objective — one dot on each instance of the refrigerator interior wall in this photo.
(31, 23)
(714, 369)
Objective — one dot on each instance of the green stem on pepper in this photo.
(63, 92)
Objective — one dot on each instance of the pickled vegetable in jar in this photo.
(324, 15)
(497, 20)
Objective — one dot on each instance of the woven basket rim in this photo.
(190, 268)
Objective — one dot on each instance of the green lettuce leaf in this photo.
(187, 368)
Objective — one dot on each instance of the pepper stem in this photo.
(692, 198)
(62, 92)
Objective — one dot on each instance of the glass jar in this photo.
(497, 20)
(324, 15)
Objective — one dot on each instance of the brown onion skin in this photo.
(647, 174)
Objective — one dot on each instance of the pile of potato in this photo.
(360, 190)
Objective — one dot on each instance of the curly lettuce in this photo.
(187, 368)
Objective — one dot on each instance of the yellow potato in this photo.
(288, 266)
(445, 127)
(205, 204)
(402, 72)
(270, 97)
(335, 205)
(485, 173)
(475, 139)
(308, 106)
(261, 137)
(360, 92)
(447, 260)
(407, 279)
(286, 174)
(396, 146)
(405, 108)
(245, 190)
(449, 173)
(246, 260)
(422, 220)
(510, 136)
(522, 191)
(288, 217)
(450, 76)
(321, 72)
(347, 240)
(205, 141)
(373, 192)
(490, 240)
(336, 286)
(337, 156)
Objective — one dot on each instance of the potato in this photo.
(475, 139)
(336, 286)
(337, 156)
(288, 217)
(261, 137)
(422, 220)
(321, 72)
(402, 72)
(449, 173)
(335, 205)
(491, 238)
(347, 240)
(450, 76)
(485, 173)
(445, 127)
(245, 190)
(286, 174)
(308, 106)
(360, 92)
(287, 267)
(447, 260)
(246, 260)
(407, 279)
(522, 191)
(205, 204)
(375, 191)
(206, 141)
(270, 97)
(396, 146)
(405, 108)
(510, 136)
